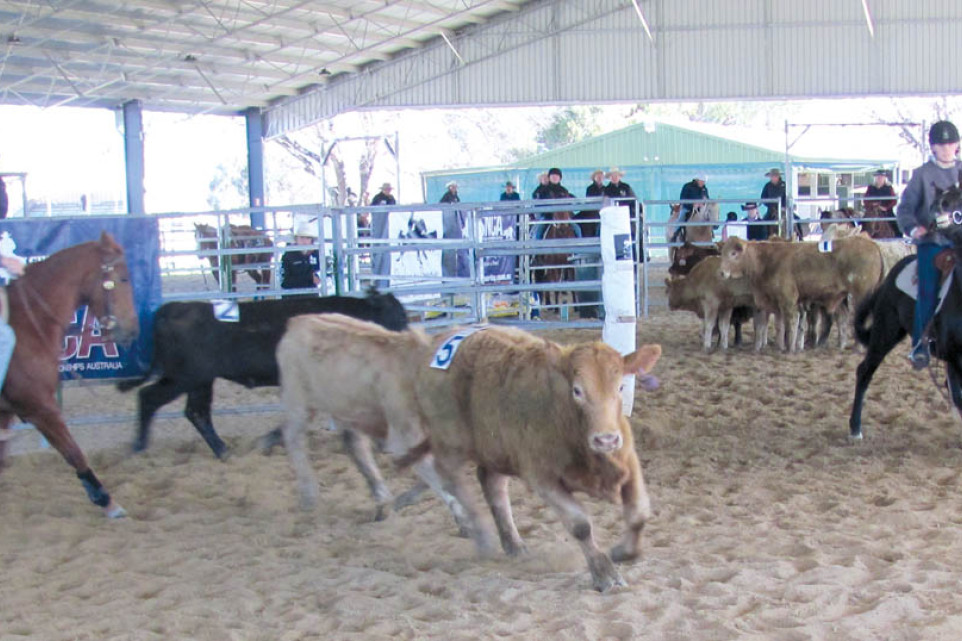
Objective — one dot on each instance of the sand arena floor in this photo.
(768, 525)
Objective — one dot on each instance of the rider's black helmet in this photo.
(943, 132)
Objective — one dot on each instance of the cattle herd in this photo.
(807, 287)
(504, 401)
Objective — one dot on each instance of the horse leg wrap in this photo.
(95, 491)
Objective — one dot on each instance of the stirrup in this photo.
(920, 356)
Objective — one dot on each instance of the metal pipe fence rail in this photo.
(439, 296)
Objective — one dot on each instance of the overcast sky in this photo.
(70, 151)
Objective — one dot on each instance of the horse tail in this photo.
(130, 383)
(863, 332)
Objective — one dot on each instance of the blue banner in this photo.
(86, 352)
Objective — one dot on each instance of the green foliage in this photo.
(567, 126)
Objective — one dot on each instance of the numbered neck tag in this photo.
(825, 246)
(445, 355)
(226, 311)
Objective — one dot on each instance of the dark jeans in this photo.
(928, 285)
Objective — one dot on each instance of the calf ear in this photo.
(642, 360)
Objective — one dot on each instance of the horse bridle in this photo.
(108, 321)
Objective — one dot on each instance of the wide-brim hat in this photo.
(881, 172)
(615, 170)
(386, 186)
(451, 183)
(749, 205)
(701, 176)
(306, 229)
(774, 171)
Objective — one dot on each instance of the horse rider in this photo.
(915, 218)
(11, 266)
(694, 190)
(882, 194)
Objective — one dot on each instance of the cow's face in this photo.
(674, 288)
(733, 258)
(597, 374)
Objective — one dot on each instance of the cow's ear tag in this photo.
(825, 246)
(226, 311)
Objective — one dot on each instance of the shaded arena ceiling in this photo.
(216, 56)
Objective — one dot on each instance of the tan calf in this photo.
(784, 275)
(360, 375)
(518, 405)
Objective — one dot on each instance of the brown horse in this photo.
(42, 304)
(879, 228)
(238, 237)
(559, 265)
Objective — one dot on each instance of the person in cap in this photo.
(694, 190)
(451, 193)
(752, 215)
(380, 228)
(880, 196)
(551, 191)
(509, 192)
(916, 220)
(300, 267)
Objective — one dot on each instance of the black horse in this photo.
(891, 312)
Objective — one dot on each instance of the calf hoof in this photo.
(621, 554)
(222, 453)
(382, 512)
(514, 548)
(608, 581)
(138, 446)
(114, 511)
(269, 441)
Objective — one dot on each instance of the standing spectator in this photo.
(775, 189)
(622, 194)
(589, 220)
(881, 188)
(301, 267)
(4, 200)
(916, 220)
(381, 261)
(755, 232)
(454, 262)
(539, 191)
(509, 193)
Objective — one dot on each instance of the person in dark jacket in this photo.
(622, 194)
(774, 189)
(694, 190)
(881, 188)
(301, 267)
(381, 261)
(589, 220)
(509, 193)
(540, 191)
(454, 262)
(915, 218)
(755, 232)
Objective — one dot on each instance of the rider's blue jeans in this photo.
(928, 285)
(8, 341)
